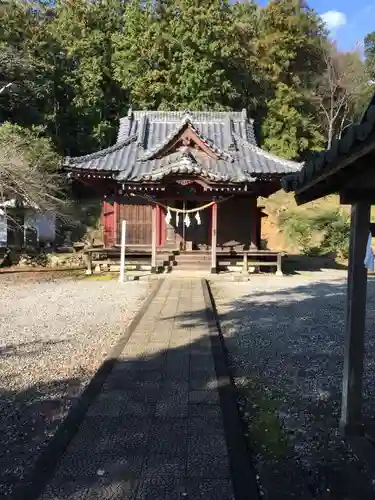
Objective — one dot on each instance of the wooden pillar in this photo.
(116, 217)
(351, 409)
(254, 214)
(245, 268)
(154, 239)
(213, 238)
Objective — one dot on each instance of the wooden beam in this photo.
(213, 238)
(254, 216)
(351, 409)
(352, 196)
(153, 238)
(116, 223)
(362, 149)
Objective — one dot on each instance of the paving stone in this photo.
(202, 379)
(141, 364)
(173, 400)
(122, 489)
(204, 396)
(66, 490)
(163, 469)
(209, 489)
(204, 411)
(151, 489)
(93, 489)
(156, 431)
(113, 464)
(129, 434)
(106, 405)
(176, 366)
(206, 443)
(168, 437)
(118, 381)
(211, 466)
(201, 358)
(206, 422)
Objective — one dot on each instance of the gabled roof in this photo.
(321, 173)
(137, 155)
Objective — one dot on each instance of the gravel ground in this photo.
(285, 342)
(54, 334)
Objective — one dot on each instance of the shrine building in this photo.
(184, 181)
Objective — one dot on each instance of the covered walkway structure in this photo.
(347, 169)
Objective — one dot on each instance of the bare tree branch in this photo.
(338, 89)
(4, 87)
(27, 183)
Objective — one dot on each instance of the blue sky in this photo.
(349, 21)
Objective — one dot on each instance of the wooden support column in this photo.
(116, 217)
(351, 409)
(154, 239)
(254, 215)
(213, 238)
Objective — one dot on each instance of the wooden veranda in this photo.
(348, 169)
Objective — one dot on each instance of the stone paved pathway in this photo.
(155, 432)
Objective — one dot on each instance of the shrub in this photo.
(318, 233)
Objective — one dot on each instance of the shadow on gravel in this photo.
(285, 350)
(120, 442)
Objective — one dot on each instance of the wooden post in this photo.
(87, 257)
(351, 409)
(213, 238)
(245, 264)
(279, 269)
(153, 239)
(122, 256)
(116, 210)
(254, 214)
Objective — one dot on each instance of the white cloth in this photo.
(369, 257)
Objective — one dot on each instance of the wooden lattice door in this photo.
(138, 219)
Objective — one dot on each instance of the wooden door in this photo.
(138, 217)
(109, 223)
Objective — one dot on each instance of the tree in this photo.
(288, 132)
(341, 90)
(287, 47)
(89, 100)
(23, 62)
(370, 54)
(28, 169)
(178, 54)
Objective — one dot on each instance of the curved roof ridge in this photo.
(183, 167)
(98, 154)
(196, 115)
(187, 120)
(296, 166)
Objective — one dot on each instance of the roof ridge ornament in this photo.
(188, 116)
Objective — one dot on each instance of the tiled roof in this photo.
(355, 140)
(143, 134)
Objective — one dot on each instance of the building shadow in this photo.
(295, 264)
(285, 350)
(140, 415)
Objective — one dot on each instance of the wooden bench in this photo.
(111, 257)
(252, 258)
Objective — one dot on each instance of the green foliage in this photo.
(296, 229)
(318, 233)
(77, 65)
(370, 54)
(31, 145)
(179, 55)
(336, 228)
(288, 132)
